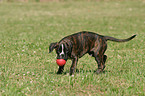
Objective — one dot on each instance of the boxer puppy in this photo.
(77, 45)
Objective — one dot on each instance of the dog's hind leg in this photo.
(99, 56)
(99, 60)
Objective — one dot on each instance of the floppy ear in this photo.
(52, 46)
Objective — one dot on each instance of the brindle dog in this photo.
(76, 45)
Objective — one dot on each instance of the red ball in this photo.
(60, 62)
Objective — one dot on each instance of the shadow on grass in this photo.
(80, 71)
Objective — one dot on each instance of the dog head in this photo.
(62, 50)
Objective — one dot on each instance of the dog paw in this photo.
(99, 71)
(59, 72)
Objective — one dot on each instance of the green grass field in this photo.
(27, 29)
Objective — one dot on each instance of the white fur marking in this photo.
(62, 52)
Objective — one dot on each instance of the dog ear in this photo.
(52, 46)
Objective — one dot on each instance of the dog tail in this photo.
(118, 40)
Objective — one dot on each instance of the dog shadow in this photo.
(79, 71)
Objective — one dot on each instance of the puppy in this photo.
(77, 45)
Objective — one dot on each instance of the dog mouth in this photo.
(62, 57)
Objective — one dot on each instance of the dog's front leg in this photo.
(60, 70)
(73, 66)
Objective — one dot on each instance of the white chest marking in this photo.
(62, 52)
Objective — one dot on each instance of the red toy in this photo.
(60, 62)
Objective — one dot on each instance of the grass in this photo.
(27, 29)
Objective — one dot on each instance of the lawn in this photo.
(27, 29)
